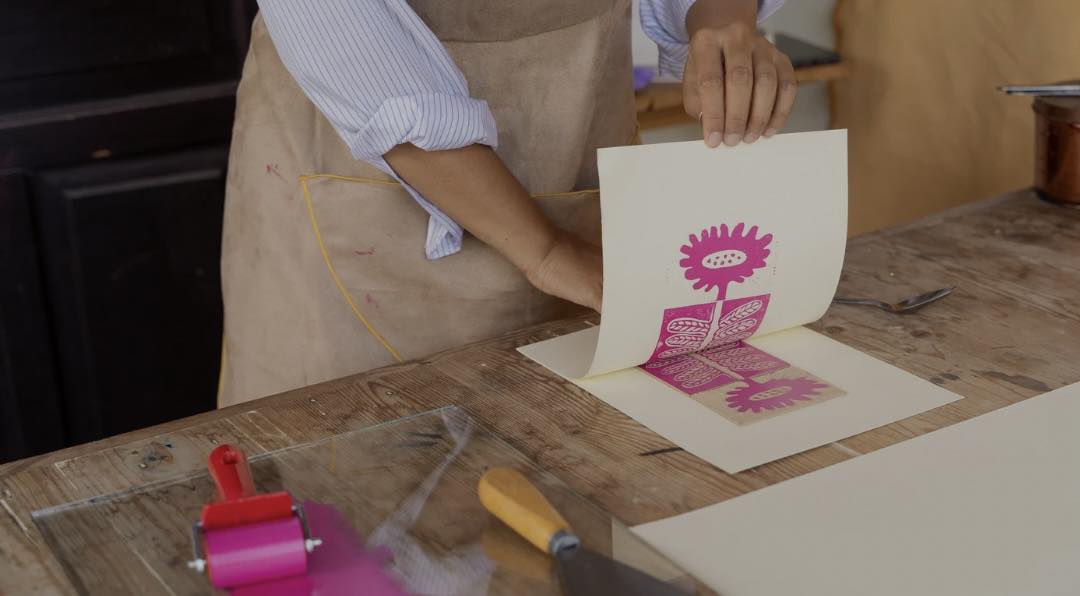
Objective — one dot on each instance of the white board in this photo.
(989, 506)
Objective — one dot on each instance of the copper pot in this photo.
(1057, 148)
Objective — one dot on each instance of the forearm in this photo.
(474, 187)
(720, 13)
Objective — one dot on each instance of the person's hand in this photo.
(572, 269)
(736, 83)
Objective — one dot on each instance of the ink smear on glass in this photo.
(701, 350)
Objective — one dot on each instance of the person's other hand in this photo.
(737, 83)
(573, 270)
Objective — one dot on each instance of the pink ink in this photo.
(341, 565)
(701, 347)
(272, 170)
(689, 374)
(279, 548)
(370, 300)
(773, 394)
(364, 253)
(697, 327)
(715, 260)
(739, 319)
(718, 259)
(714, 368)
(744, 360)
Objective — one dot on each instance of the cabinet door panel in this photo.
(132, 252)
(30, 420)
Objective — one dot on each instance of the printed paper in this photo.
(708, 253)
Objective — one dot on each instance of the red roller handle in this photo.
(238, 503)
(229, 469)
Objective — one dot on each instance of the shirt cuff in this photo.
(431, 121)
(443, 234)
(673, 55)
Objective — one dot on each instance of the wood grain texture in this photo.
(1008, 333)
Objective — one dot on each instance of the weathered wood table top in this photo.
(1009, 332)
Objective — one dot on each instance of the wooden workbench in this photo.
(1009, 332)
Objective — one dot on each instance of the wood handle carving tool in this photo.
(509, 496)
(247, 537)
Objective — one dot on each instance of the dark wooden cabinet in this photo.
(65, 52)
(115, 118)
(131, 251)
(30, 415)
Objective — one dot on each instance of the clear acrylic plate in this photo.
(407, 485)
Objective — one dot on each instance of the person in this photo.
(370, 135)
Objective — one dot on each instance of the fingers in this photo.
(708, 62)
(738, 85)
(787, 87)
(691, 98)
(738, 82)
(764, 93)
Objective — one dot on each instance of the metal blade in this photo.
(583, 572)
(1057, 90)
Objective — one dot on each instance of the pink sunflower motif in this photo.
(772, 395)
(688, 374)
(740, 322)
(744, 360)
(721, 258)
(687, 328)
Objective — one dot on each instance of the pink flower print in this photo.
(772, 395)
(744, 360)
(693, 328)
(718, 259)
(688, 374)
(684, 330)
(740, 321)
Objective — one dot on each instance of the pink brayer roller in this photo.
(246, 537)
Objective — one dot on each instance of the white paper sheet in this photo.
(653, 197)
(990, 506)
(704, 248)
(876, 394)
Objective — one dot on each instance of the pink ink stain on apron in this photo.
(341, 565)
(272, 170)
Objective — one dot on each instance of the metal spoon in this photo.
(908, 305)
(1055, 90)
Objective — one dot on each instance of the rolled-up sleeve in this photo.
(664, 21)
(381, 78)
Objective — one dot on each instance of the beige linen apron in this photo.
(323, 265)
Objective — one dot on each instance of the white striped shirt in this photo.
(382, 78)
